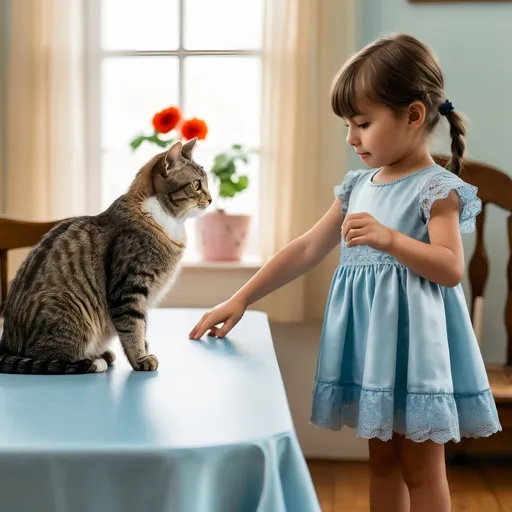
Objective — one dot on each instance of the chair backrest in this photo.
(494, 187)
(18, 234)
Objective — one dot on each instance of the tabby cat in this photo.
(93, 277)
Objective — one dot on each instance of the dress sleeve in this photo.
(343, 191)
(439, 186)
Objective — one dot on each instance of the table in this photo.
(211, 431)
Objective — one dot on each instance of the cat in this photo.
(92, 277)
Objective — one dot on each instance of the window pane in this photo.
(238, 24)
(226, 93)
(118, 169)
(133, 89)
(138, 25)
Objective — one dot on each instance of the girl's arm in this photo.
(292, 261)
(440, 261)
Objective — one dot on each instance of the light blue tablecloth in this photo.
(211, 431)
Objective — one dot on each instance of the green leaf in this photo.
(227, 189)
(220, 162)
(155, 139)
(225, 172)
(243, 182)
(135, 143)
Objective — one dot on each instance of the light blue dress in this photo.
(398, 352)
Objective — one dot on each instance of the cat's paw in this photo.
(109, 356)
(148, 363)
(99, 365)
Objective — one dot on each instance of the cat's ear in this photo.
(187, 148)
(170, 157)
(174, 152)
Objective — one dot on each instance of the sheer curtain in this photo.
(303, 155)
(43, 153)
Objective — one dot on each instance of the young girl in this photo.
(398, 360)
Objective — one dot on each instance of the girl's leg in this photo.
(424, 472)
(388, 492)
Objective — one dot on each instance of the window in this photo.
(145, 56)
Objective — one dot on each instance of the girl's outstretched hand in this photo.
(229, 313)
(363, 229)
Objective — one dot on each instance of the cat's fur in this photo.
(93, 277)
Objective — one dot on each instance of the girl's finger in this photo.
(199, 324)
(203, 325)
(355, 233)
(213, 331)
(360, 215)
(353, 224)
(228, 325)
(357, 241)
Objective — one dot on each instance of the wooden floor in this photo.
(343, 487)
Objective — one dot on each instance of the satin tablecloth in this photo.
(211, 431)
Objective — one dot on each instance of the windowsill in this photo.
(247, 263)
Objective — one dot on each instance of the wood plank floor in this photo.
(343, 487)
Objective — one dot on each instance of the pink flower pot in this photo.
(221, 236)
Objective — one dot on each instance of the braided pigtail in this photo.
(457, 134)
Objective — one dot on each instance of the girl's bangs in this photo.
(350, 89)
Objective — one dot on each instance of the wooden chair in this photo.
(494, 187)
(18, 234)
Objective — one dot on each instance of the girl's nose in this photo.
(352, 139)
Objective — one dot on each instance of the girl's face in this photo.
(380, 136)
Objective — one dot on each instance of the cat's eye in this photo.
(196, 184)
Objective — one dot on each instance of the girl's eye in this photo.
(363, 126)
(196, 184)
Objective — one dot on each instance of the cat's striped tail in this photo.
(26, 365)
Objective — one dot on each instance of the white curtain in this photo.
(44, 119)
(303, 152)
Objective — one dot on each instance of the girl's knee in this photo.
(384, 458)
(416, 476)
(421, 463)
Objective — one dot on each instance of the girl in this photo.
(398, 359)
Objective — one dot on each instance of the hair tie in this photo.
(445, 108)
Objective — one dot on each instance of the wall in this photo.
(472, 42)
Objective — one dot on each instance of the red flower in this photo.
(166, 120)
(194, 128)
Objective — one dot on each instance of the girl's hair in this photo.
(395, 71)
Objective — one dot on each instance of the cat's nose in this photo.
(209, 200)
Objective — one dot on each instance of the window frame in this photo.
(95, 54)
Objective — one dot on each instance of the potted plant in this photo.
(223, 236)
(220, 236)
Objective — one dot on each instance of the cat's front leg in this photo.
(131, 329)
